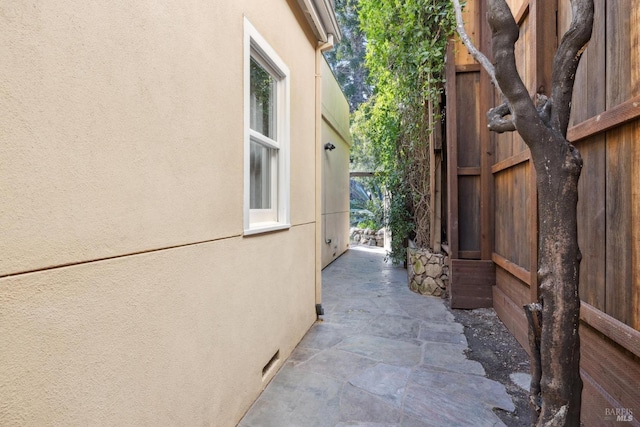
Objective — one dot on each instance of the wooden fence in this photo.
(492, 211)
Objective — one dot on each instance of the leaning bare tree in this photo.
(542, 123)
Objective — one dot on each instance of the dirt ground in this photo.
(491, 344)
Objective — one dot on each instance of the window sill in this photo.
(266, 228)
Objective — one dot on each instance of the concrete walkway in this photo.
(382, 356)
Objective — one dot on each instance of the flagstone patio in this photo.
(381, 356)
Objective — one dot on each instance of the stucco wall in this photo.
(173, 337)
(128, 293)
(335, 168)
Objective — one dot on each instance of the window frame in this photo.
(278, 217)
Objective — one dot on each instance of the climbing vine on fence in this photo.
(405, 55)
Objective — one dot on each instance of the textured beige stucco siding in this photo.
(122, 125)
(335, 168)
(175, 337)
(335, 212)
(128, 295)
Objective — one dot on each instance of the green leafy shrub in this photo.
(406, 49)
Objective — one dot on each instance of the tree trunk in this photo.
(556, 386)
(543, 126)
(560, 387)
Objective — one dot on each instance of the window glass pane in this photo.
(263, 100)
(260, 176)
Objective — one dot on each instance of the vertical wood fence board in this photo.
(618, 301)
(634, 27)
(589, 100)
(436, 229)
(519, 144)
(507, 144)
(486, 201)
(519, 236)
(513, 214)
(503, 217)
(487, 147)
(452, 153)
(564, 17)
(591, 221)
(467, 101)
(468, 149)
(635, 231)
(523, 214)
(435, 194)
(471, 19)
(504, 145)
(533, 232)
(435, 177)
(444, 187)
(545, 43)
(618, 51)
(469, 216)
(524, 54)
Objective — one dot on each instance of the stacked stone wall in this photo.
(428, 273)
(367, 237)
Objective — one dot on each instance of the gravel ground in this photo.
(491, 344)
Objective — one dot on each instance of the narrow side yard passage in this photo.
(381, 356)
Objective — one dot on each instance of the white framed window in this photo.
(266, 136)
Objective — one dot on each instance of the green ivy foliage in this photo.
(405, 55)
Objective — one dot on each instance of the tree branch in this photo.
(496, 118)
(505, 33)
(566, 60)
(475, 53)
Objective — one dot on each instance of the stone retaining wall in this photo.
(428, 273)
(367, 237)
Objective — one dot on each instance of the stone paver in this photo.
(381, 356)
